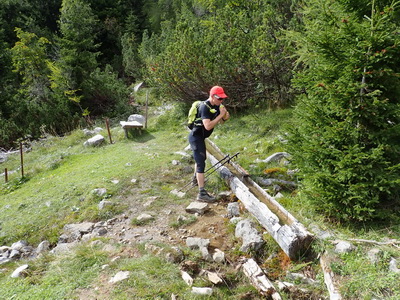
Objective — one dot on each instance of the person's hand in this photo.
(226, 116)
(222, 110)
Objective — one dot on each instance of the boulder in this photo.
(97, 140)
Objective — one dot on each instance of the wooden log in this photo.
(292, 237)
(329, 278)
(260, 280)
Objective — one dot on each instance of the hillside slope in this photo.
(138, 175)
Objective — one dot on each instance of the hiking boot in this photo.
(203, 196)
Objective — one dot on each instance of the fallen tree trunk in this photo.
(292, 237)
(260, 280)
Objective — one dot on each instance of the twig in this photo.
(391, 242)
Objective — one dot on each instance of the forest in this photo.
(66, 63)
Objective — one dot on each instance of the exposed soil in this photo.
(213, 225)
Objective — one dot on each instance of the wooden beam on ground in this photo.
(260, 280)
(290, 234)
(329, 278)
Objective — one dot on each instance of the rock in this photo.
(19, 245)
(393, 266)
(176, 162)
(197, 207)
(275, 183)
(224, 195)
(4, 260)
(138, 118)
(74, 232)
(175, 255)
(104, 203)
(275, 157)
(97, 140)
(177, 193)
(205, 254)
(233, 210)
(15, 254)
(97, 129)
(196, 243)
(144, 217)
(18, 271)
(4, 249)
(44, 246)
(87, 237)
(204, 291)
(87, 132)
(63, 247)
(214, 277)
(199, 243)
(344, 247)
(100, 231)
(3, 157)
(121, 275)
(252, 240)
(100, 192)
(235, 220)
(63, 238)
(373, 255)
(187, 278)
(219, 256)
(323, 235)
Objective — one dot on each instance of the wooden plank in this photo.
(131, 125)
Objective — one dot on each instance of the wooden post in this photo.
(108, 130)
(6, 175)
(22, 159)
(147, 108)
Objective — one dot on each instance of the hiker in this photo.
(211, 113)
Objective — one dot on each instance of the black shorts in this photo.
(198, 145)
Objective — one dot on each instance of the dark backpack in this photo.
(193, 116)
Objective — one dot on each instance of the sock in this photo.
(202, 190)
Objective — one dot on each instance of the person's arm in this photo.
(208, 124)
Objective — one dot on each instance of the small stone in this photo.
(177, 193)
(144, 218)
(219, 256)
(197, 208)
(204, 291)
(344, 247)
(121, 275)
(18, 271)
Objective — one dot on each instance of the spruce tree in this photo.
(77, 49)
(346, 132)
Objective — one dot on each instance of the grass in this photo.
(61, 174)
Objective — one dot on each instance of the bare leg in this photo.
(200, 180)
